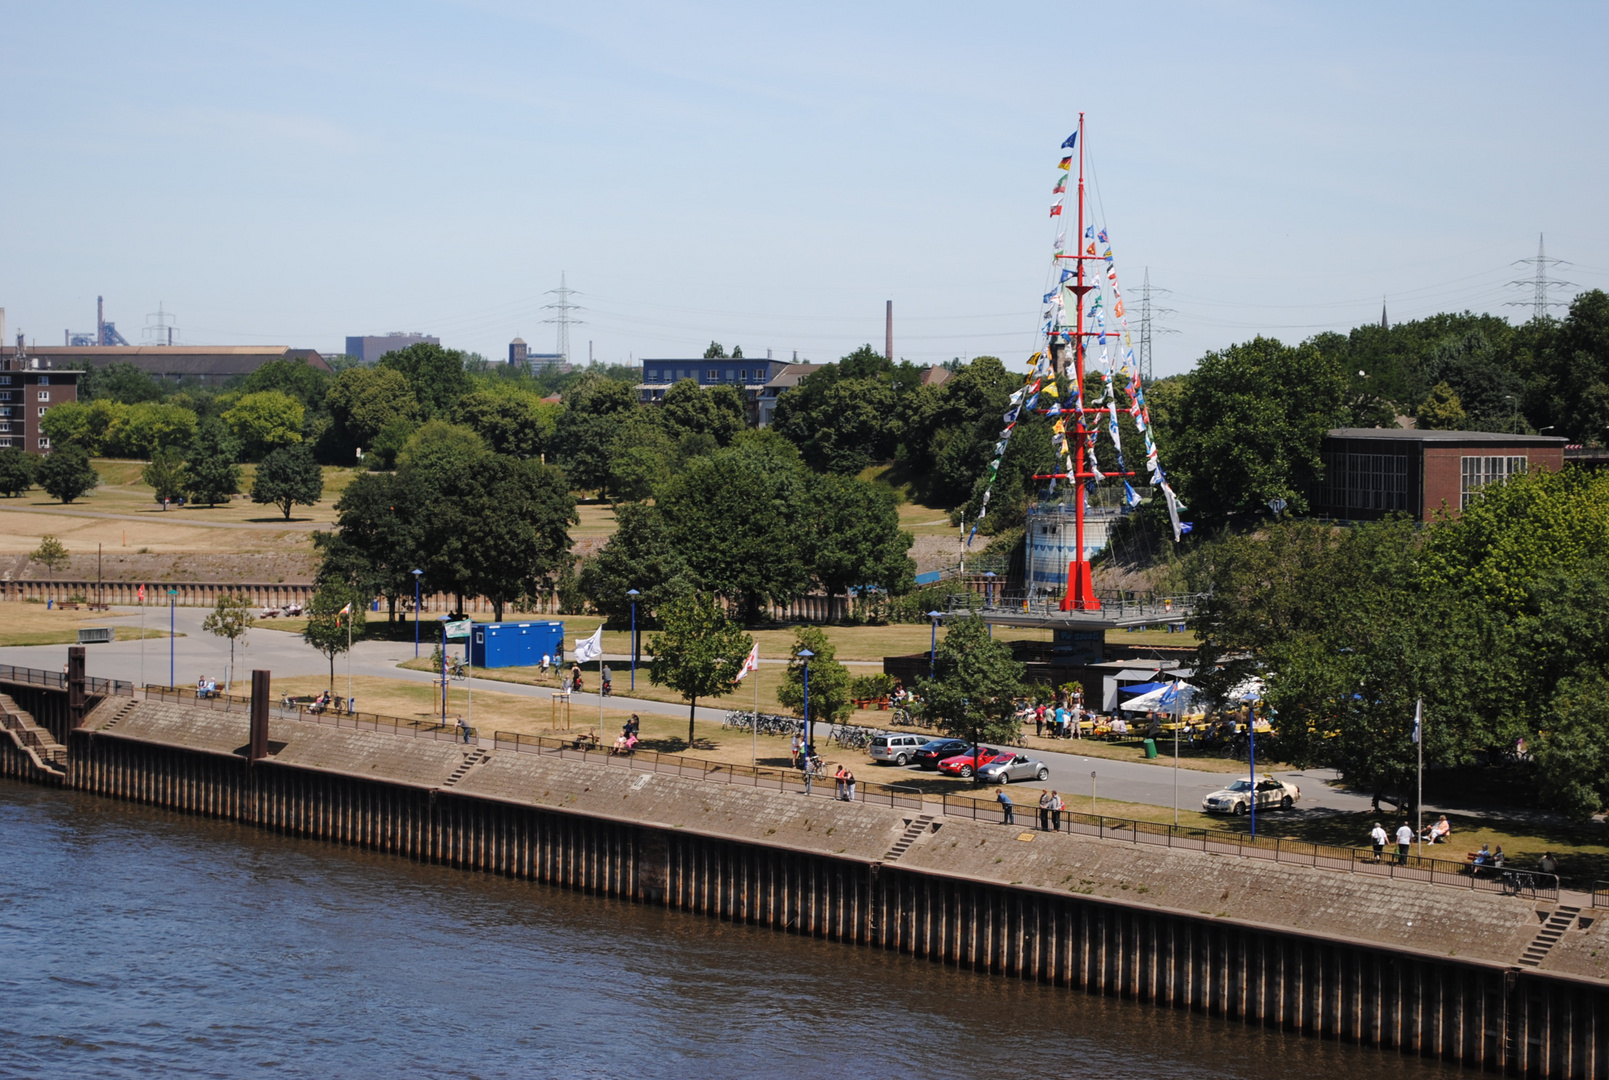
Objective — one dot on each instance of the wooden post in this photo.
(75, 686)
(259, 715)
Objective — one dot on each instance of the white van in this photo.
(896, 749)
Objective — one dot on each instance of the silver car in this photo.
(1011, 767)
(896, 748)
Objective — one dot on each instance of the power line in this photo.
(563, 319)
(1539, 283)
(1147, 328)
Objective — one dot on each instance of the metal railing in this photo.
(57, 680)
(1125, 604)
(761, 776)
(432, 730)
(1600, 894)
(1531, 884)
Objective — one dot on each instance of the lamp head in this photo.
(633, 593)
(805, 655)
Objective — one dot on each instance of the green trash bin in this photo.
(1150, 748)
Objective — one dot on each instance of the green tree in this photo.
(640, 555)
(641, 458)
(1247, 429)
(17, 469)
(165, 474)
(740, 518)
(699, 652)
(66, 473)
(211, 474)
(855, 539)
(716, 351)
(328, 630)
(122, 381)
(294, 377)
(595, 410)
(139, 430)
(830, 698)
(80, 423)
(230, 618)
(265, 421)
(288, 476)
(373, 545)
(436, 375)
(365, 401)
(51, 554)
(512, 421)
(975, 685)
(1441, 410)
(717, 411)
(840, 425)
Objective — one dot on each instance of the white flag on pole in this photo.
(587, 649)
(1418, 718)
(752, 663)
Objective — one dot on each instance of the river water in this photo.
(135, 942)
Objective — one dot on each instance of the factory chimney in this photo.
(100, 320)
(888, 333)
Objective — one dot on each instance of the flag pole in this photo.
(1419, 740)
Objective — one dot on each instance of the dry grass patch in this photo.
(23, 623)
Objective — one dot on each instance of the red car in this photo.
(961, 765)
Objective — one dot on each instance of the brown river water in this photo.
(140, 943)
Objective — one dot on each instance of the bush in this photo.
(871, 687)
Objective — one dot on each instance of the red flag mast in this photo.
(1080, 594)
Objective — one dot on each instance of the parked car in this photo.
(962, 764)
(1009, 767)
(930, 754)
(1236, 798)
(897, 749)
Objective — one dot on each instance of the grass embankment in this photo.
(23, 623)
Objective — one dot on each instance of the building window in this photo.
(712, 374)
(44, 443)
(42, 410)
(5, 380)
(44, 395)
(1372, 482)
(1477, 472)
(44, 380)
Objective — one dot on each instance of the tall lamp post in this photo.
(633, 593)
(173, 636)
(416, 574)
(933, 652)
(805, 655)
(988, 595)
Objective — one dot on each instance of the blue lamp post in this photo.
(933, 652)
(1251, 753)
(805, 655)
(416, 574)
(633, 593)
(173, 636)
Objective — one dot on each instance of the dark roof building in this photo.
(1372, 472)
(209, 364)
(29, 388)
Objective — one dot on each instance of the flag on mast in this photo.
(1418, 718)
(588, 649)
(750, 663)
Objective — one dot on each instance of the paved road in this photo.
(285, 654)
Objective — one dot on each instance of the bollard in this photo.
(259, 715)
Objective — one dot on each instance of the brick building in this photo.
(1372, 472)
(208, 365)
(29, 387)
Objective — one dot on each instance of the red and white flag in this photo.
(142, 594)
(751, 663)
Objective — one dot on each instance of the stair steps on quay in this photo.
(915, 829)
(1552, 930)
(34, 740)
(475, 757)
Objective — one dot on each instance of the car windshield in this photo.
(1238, 785)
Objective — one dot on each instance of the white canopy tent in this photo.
(1153, 701)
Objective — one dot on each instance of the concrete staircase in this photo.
(908, 837)
(36, 742)
(1552, 930)
(471, 759)
(126, 708)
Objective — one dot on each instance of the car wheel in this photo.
(1044, 774)
(1287, 802)
(964, 772)
(1240, 808)
(901, 761)
(1004, 777)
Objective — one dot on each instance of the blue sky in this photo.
(769, 175)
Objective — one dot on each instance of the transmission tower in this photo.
(563, 318)
(1147, 328)
(1539, 283)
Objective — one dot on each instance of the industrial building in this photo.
(210, 365)
(370, 348)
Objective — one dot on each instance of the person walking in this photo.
(838, 784)
(1039, 721)
(1044, 810)
(1404, 840)
(1005, 806)
(1055, 812)
(849, 785)
(1378, 838)
(809, 775)
(606, 681)
(793, 752)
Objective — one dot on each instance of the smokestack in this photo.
(888, 333)
(100, 320)
(259, 716)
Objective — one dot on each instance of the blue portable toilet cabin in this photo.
(514, 644)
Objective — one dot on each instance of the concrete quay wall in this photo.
(1401, 966)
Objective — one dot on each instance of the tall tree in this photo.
(436, 375)
(716, 411)
(328, 629)
(265, 421)
(855, 539)
(230, 618)
(830, 699)
(366, 400)
(211, 474)
(165, 475)
(17, 469)
(975, 686)
(699, 652)
(66, 473)
(373, 545)
(289, 476)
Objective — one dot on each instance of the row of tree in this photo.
(1498, 622)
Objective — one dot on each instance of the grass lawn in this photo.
(22, 623)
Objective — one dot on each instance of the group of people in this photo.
(206, 688)
(325, 701)
(1050, 808)
(626, 742)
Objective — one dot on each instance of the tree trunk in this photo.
(332, 674)
(497, 609)
(692, 708)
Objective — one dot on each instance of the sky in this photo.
(769, 175)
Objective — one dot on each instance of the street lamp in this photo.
(988, 595)
(805, 655)
(633, 593)
(416, 574)
(933, 652)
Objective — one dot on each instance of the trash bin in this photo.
(1150, 748)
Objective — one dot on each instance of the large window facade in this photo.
(1477, 472)
(1375, 482)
